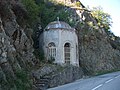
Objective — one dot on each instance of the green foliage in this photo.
(78, 4)
(22, 82)
(33, 10)
(65, 16)
(106, 72)
(104, 19)
(38, 54)
(51, 60)
(46, 12)
(43, 12)
(49, 12)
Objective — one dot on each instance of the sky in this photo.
(111, 7)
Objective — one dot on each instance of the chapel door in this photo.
(67, 53)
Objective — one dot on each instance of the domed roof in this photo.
(58, 25)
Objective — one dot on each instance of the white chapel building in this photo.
(59, 41)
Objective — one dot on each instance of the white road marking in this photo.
(108, 81)
(105, 82)
(117, 76)
(97, 87)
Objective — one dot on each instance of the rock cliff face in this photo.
(16, 51)
(55, 75)
(95, 50)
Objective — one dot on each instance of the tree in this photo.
(104, 19)
(33, 10)
(47, 15)
(50, 13)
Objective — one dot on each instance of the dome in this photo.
(58, 25)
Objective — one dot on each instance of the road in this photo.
(109, 81)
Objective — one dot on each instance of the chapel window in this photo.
(67, 53)
(51, 51)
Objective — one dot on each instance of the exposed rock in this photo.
(54, 75)
(67, 75)
(44, 71)
(95, 51)
(16, 51)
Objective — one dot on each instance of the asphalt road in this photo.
(109, 81)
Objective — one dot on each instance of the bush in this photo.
(46, 12)
(49, 13)
(33, 10)
(22, 82)
(39, 55)
(51, 60)
(78, 4)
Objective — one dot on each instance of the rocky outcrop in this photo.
(55, 75)
(67, 75)
(95, 50)
(98, 50)
(16, 51)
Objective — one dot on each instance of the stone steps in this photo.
(42, 83)
(40, 87)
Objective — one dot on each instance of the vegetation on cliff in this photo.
(93, 22)
(98, 51)
(104, 19)
(16, 50)
(32, 9)
(46, 12)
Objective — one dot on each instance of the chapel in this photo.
(59, 41)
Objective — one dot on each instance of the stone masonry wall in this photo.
(69, 74)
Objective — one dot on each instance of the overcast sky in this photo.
(109, 6)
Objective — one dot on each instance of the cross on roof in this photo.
(57, 18)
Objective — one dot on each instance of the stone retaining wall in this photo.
(69, 74)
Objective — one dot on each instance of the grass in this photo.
(105, 72)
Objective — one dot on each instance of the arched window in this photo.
(51, 51)
(67, 53)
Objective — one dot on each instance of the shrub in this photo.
(22, 82)
(39, 55)
(33, 10)
(51, 60)
(78, 4)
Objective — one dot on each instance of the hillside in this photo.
(99, 50)
(98, 47)
(16, 50)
